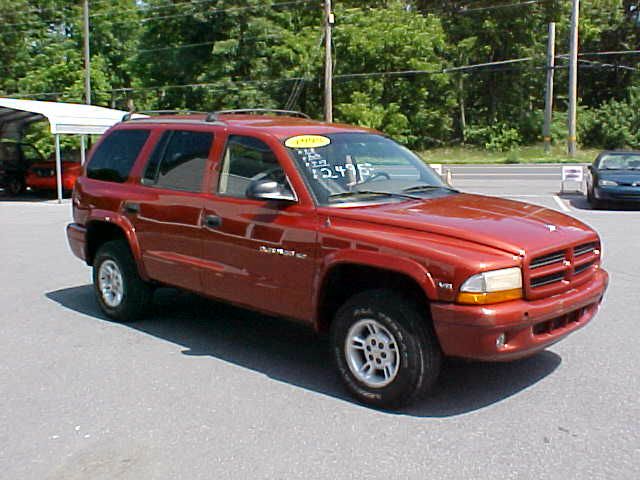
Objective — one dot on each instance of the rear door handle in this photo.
(212, 221)
(131, 207)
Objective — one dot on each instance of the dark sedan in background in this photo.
(614, 177)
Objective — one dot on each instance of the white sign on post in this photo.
(572, 173)
(437, 167)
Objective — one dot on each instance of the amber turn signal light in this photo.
(472, 298)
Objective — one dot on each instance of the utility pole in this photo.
(87, 54)
(548, 100)
(328, 62)
(573, 78)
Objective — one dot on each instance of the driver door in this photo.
(258, 253)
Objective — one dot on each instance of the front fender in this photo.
(384, 261)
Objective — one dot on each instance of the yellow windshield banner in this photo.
(307, 141)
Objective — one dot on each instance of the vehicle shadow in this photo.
(293, 354)
(28, 196)
(579, 202)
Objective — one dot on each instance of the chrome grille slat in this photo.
(584, 249)
(582, 268)
(547, 279)
(549, 259)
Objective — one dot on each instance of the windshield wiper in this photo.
(371, 192)
(423, 188)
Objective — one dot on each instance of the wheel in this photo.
(121, 293)
(593, 201)
(385, 349)
(15, 186)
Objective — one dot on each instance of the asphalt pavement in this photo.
(200, 390)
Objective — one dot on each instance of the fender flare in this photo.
(405, 266)
(124, 224)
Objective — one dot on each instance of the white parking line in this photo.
(561, 203)
(518, 195)
(513, 174)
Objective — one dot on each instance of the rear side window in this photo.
(115, 156)
(179, 160)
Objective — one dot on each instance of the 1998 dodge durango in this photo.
(337, 227)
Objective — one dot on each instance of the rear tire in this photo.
(15, 186)
(121, 293)
(385, 349)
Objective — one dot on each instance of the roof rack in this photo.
(214, 116)
(129, 116)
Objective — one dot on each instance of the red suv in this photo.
(337, 227)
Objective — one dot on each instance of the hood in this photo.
(620, 176)
(510, 226)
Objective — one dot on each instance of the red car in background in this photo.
(41, 177)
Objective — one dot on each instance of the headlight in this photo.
(607, 183)
(492, 287)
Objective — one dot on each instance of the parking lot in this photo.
(203, 390)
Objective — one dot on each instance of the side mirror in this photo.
(269, 190)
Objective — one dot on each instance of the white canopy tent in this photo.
(64, 119)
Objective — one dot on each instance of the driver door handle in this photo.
(212, 221)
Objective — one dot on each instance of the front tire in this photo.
(385, 349)
(595, 203)
(121, 293)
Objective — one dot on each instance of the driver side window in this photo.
(246, 159)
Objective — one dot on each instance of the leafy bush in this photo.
(496, 138)
(512, 157)
(616, 124)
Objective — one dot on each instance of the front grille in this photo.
(44, 172)
(549, 259)
(547, 279)
(560, 270)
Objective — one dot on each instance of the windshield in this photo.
(356, 167)
(620, 162)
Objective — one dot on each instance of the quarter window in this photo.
(247, 159)
(115, 156)
(179, 160)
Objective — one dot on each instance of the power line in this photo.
(434, 72)
(610, 65)
(151, 8)
(45, 23)
(221, 85)
(605, 53)
(211, 42)
(465, 10)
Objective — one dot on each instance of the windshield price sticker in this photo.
(321, 169)
(307, 141)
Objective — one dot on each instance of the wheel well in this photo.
(344, 281)
(98, 233)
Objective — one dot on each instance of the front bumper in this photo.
(77, 237)
(529, 326)
(618, 194)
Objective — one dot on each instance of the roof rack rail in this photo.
(129, 116)
(213, 116)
